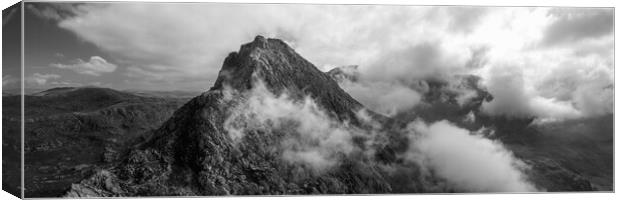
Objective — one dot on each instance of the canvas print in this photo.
(128, 99)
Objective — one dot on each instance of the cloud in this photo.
(9, 81)
(133, 33)
(419, 61)
(572, 24)
(37, 79)
(94, 67)
(52, 11)
(310, 137)
(550, 85)
(511, 98)
(383, 97)
(588, 84)
(418, 43)
(469, 163)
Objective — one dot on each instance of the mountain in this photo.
(281, 68)
(71, 131)
(193, 154)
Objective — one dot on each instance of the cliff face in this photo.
(193, 153)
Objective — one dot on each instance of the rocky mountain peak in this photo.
(281, 69)
(258, 57)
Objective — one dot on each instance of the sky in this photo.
(550, 57)
(11, 66)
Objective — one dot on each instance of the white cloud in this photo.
(576, 24)
(38, 79)
(326, 35)
(310, 137)
(512, 98)
(382, 97)
(94, 67)
(468, 162)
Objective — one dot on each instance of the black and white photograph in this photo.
(207, 99)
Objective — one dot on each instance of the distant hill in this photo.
(71, 131)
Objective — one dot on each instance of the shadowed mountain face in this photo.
(69, 132)
(274, 124)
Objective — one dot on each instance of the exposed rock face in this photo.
(192, 154)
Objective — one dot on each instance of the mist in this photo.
(468, 162)
(310, 137)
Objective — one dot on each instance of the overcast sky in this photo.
(181, 46)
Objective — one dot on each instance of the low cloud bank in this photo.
(466, 161)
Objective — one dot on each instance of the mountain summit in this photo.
(193, 153)
(280, 68)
